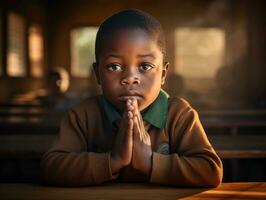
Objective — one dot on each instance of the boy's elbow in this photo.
(219, 176)
(215, 181)
(51, 174)
(216, 173)
(216, 177)
(56, 172)
(47, 174)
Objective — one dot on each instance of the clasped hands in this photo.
(133, 143)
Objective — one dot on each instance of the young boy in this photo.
(134, 131)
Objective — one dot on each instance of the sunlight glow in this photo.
(36, 50)
(82, 50)
(245, 194)
(199, 51)
(16, 54)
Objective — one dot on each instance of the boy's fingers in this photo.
(130, 126)
(130, 114)
(140, 121)
(135, 109)
(135, 104)
(129, 105)
(147, 139)
(125, 123)
(130, 121)
(136, 129)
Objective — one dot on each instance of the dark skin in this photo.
(131, 71)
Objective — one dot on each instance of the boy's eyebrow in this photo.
(119, 56)
(147, 55)
(113, 55)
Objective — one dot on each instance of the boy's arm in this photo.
(193, 162)
(121, 155)
(68, 163)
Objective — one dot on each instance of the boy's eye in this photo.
(114, 67)
(146, 67)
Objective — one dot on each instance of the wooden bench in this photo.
(30, 133)
(228, 147)
(232, 121)
(239, 146)
(26, 150)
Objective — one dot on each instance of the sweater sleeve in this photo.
(68, 163)
(192, 162)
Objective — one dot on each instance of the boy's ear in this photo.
(164, 73)
(96, 71)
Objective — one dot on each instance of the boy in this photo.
(134, 131)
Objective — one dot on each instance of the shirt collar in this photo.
(155, 114)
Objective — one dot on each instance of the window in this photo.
(82, 50)
(16, 50)
(199, 51)
(36, 51)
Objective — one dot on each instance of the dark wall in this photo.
(257, 51)
(242, 80)
(242, 20)
(34, 12)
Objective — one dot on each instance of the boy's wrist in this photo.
(116, 164)
(150, 169)
(148, 165)
(144, 166)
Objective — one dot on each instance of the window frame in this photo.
(4, 45)
(199, 88)
(179, 71)
(74, 76)
(29, 65)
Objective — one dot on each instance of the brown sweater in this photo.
(182, 154)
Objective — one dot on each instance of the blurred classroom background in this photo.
(216, 50)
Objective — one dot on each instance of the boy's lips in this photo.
(130, 95)
(126, 97)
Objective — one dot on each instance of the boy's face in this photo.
(131, 65)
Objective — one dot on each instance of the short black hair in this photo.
(130, 19)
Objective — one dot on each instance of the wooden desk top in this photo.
(132, 191)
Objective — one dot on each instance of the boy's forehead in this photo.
(133, 35)
(137, 39)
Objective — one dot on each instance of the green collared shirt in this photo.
(155, 114)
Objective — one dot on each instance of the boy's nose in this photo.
(130, 80)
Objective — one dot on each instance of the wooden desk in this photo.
(132, 191)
